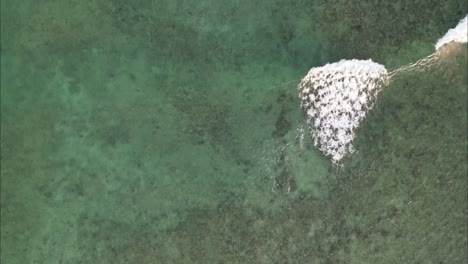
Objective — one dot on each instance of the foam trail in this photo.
(422, 63)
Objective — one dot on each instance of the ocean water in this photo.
(171, 132)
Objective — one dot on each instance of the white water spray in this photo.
(457, 34)
(336, 97)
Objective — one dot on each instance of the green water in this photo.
(168, 132)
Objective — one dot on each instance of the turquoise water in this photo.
(169, 132)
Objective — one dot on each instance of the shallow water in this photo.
(171, 132)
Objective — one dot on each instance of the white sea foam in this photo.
(457, 34)
(336, 98)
